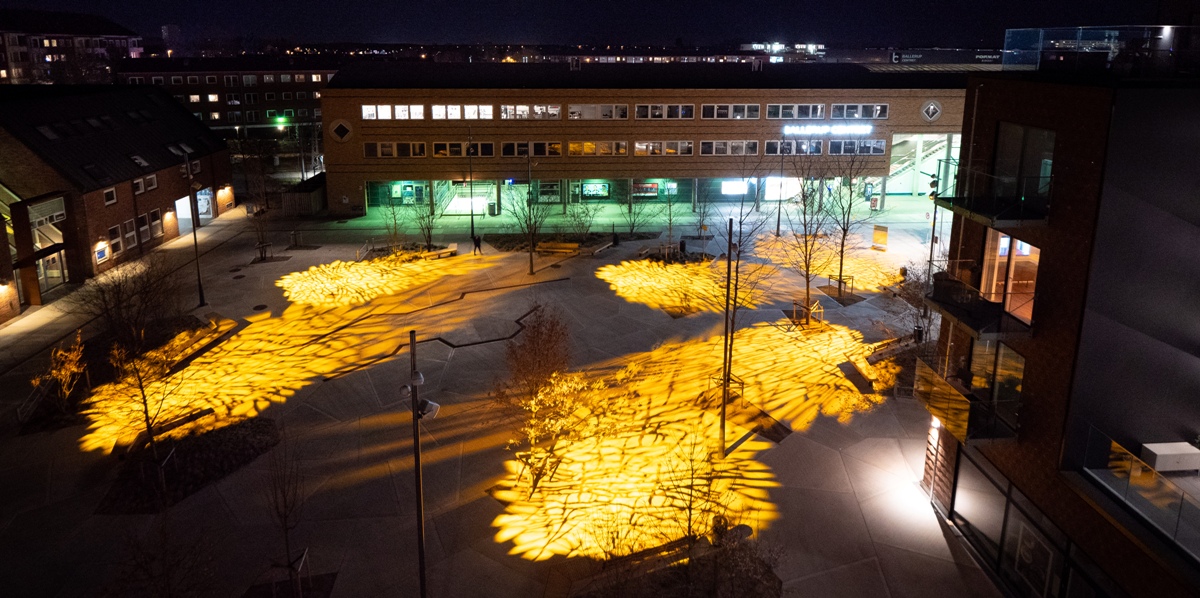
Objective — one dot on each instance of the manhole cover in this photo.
(235, 269)
(239, 277)
(259, 307)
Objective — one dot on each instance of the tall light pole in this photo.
(529, 216)
(187, 164)
(416, 380)
(471, 179)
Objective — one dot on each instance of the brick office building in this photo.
(1066, 354)
(93, 176)
(484, 133)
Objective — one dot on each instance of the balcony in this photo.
(953, 296)
(999, 201)
(1169, 502)
(968, 414)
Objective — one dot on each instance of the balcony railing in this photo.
(968, 414)
(1000, 201)
(1150, 494)
(984, 314)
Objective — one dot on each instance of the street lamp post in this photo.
(416, 380)
(187, 164)
(529, 215)
(471, 180)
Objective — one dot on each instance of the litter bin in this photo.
(918, 334)
(492, 211)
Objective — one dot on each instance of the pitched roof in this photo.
(425, 75)
(91, 133)
(22, 20)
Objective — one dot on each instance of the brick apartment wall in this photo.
(347, 170)
(1080, 117)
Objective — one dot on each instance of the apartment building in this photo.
(96, 175)
(240, 95)
(41, 46)
(484, 134)
(1063, 383)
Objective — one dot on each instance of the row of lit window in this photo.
(251, 116)
(234, 99)
(230, 80)
(741, 147)
(621, 111)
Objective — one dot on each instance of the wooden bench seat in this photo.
(551, 247)
(451, 249)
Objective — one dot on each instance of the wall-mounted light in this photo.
(936, 423)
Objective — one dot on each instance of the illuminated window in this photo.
(858, 111)
(1010, 269)
(285, 78)
(796, 111)
(377, 112)
(194, 98)
(410, 112)
(156, 227)
(316, 78)
(647, 148)
(734, 188)
(447, 149)
(597, 111)
(268, 78)
(729, 111)
(299, 78)
(214, 116)
(114, 240)
(729, 148)
(867, 147)
(598, 148)
(534, 111)
(672, 111)
(316, 95)
(387, 150)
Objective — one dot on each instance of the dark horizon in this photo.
(942, 23)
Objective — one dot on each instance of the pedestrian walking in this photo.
(478, 242)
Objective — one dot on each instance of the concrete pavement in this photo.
(852, 521)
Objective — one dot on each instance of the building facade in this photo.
(478, 136)
(38, 46)
(1066, 345)
(96, 175)
(239, 96)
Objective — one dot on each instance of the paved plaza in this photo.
(842, 491)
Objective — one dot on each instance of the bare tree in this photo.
(424, 216)
(129, 297)
(912, 289)
(806, 246)
(394, 216)
(580, 217)
(165, 564)
(66, 368)
(257, 161)
(528, 214)
(844, 203)
(544, 401)
(284, 491)
(743, 278)
(147, 382)
(637, 211)
(704, 211)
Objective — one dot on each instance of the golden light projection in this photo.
(872, 270)
(650, 478)
(679, 289)
(339, 283)
(266, 362)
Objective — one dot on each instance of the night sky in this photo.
(836, 23)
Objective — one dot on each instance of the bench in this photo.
(602, 248)
(451, 249)
(550, 247)
(141, 439)
(644, 251)
(864, 369)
